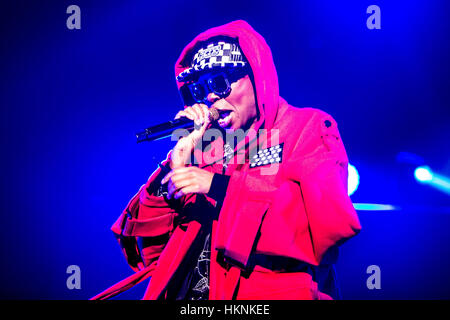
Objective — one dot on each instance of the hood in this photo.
(260, 59)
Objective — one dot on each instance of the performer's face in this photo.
(238, 109)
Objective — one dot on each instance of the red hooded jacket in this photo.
(297, 209)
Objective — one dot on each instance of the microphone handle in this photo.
(164, 130)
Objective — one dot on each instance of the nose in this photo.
(212, 97)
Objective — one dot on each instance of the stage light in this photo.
(353, 179)
(423, 174)
(375, 207)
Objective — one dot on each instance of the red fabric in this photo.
(296, 209)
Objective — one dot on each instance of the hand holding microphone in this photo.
(202, 117)
(184, 180)
(181, 121)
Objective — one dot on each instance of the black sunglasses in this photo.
(218, 83)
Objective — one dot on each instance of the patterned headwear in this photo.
(215, 55)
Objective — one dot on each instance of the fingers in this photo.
(205, 111)
(182, 151)
(178, 171)
(187, 180)
(177, 189)
(184, 113)
(177, 179)
(197, 110)
(199, 113)
(180, 189)
(184, 191)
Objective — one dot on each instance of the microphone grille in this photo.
(213, 114)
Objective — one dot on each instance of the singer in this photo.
(255, 215)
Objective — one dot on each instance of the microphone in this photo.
(164, 130)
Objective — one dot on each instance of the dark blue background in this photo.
(71, 101)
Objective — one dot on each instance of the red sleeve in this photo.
(301, 221)
(320, 167)
(143, 228)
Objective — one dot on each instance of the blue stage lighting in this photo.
(353, 179)
(423, 174)
(375, 207)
